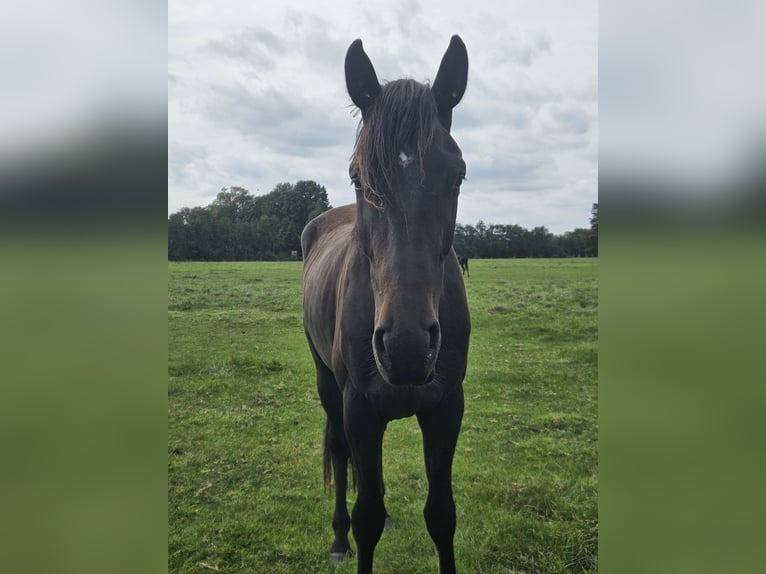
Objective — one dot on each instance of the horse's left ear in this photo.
(451, 80)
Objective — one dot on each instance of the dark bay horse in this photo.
(384, 306)
(463, 260)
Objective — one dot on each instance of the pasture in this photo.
(245, 428)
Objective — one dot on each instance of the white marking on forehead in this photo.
(404, 159)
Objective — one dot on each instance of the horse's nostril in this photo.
(434, 342)
(379, 348)
(435, 337)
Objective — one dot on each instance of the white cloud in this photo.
(257, 96)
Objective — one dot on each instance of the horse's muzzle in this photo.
(406, 356)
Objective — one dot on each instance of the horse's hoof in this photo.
(337, 557)
(389, 524)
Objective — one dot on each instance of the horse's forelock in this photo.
(402, 118)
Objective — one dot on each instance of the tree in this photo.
(574, 243)
(178, 235)
(594, 229)
(541, 242)
(232, 204)
(293, 206)
(465, 240)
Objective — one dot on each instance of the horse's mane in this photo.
(403, 117)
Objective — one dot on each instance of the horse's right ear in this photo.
(361, 81)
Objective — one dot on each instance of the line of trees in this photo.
(484, 241)
(238, 226)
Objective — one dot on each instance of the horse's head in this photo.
(407, 170)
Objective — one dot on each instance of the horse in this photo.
(384, 305)
(463, 260)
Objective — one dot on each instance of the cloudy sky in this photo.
(256, 96)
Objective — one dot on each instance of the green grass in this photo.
(245, 428)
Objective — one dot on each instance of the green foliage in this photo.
(237, 226)
(484, 241)
(245, 428)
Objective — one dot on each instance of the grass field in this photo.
(245, 428)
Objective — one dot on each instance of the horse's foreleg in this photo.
(441, 427)
(364, 431)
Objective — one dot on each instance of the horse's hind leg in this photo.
(440, 428)
(336, 455)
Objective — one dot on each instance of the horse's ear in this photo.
(451, 79)
(361, 81)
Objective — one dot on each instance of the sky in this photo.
(256, 96)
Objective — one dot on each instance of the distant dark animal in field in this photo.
(384, 305)
(463, 260)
